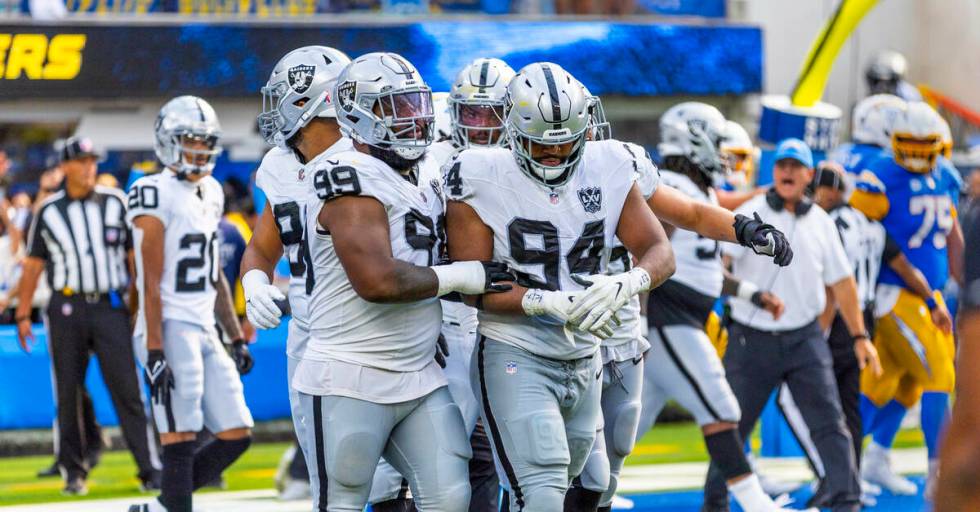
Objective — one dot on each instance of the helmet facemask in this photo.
(477, 123)
(402, 121)
(193, 154)
(551, 175)
(599, 127)
(917, 153)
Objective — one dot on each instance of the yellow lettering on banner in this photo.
(64, 56)
(4, 44)
(27, 55)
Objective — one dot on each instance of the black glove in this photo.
(159, 377)
(242, 356)
(498, 275)
(763, 239)
(442, 350)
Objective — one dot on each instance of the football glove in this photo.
(763, 238)
(557, 305)
(159, 377)
(442, 350)
(604, 295)
(473, 277)
(242, 356)
(260, 300)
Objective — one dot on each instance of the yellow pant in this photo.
(717, 334)
(916, 355)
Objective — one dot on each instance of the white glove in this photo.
(604, 296)
(557, 305)
(472, 277)
(260, 296)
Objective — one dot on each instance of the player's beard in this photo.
(394, 160)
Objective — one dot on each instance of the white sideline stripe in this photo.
(634, 479)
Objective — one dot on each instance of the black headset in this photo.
(777, 203)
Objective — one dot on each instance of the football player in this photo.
(871, 134)
(682, 363)
(368, 378)
(475, 106)
(915, 199)
(547, 207)
(740, 154)
(885, 74)
(193, 382)
(298, 120)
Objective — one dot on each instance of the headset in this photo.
(777, 203)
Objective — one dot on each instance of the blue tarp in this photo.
(25, 381)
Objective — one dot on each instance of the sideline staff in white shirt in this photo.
(765, 351)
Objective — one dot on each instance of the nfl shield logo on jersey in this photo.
(511, 368)
(591, 198)
(300, 78)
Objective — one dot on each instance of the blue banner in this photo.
(235, 59)
(705, 8)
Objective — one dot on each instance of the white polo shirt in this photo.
(818, 260)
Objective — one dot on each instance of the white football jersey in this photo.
(620, 260)
(545, 234)
(345, 327)
(287, 186)
(698, 258)
(864, 243)
(190, 213)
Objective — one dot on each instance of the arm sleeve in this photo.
(891, 251)
(36, 248)
(835, 265)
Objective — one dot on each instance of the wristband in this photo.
(931, 303)
(532, 302)
(861, 336)
(20, 319)
(746, 290)
(456, 275)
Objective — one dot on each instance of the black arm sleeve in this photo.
(892, 250)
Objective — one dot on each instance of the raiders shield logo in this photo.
(591, 198)
(300, 78)
(345, 95)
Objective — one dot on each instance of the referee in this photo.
(79, 237)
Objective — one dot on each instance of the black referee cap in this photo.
(78, 147)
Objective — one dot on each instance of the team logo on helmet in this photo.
(345, 95)
(300, 78)
(591, 198)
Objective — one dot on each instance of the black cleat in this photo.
(49, 471)
(75, 487)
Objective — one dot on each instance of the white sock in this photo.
(749, 494)
(877, 453)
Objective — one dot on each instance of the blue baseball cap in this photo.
(795, 149)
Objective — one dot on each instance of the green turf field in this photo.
(115, 475)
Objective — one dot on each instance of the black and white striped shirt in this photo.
(868, 247)
(83, 242)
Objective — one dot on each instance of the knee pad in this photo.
(456, 439)
(624, 427)
(542, 499)
(189, 379)
(579, 447)
(595, 474)
(541, 436)
(348, 465)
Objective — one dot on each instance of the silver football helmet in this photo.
(874, 117)
(299, 89)
(385, 103)
(187, 133)
(694, 130)
(599, 127)
(476, 103)
(547, 107)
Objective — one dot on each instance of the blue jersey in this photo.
(232, 248)
(855, 157)
(920, 214)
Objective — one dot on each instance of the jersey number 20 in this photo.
(207, 255)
